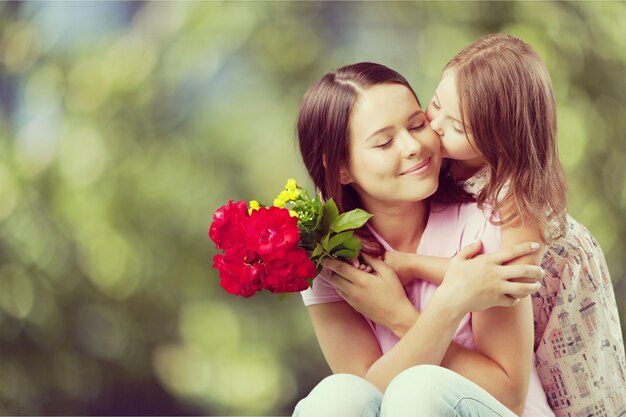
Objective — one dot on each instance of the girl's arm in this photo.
(409, 266)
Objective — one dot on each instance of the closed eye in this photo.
(456, 129)
(418, 127)
(385, 144)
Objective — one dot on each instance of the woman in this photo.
(366, 143)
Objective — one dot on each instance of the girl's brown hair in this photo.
(324, 134)
(507, 103)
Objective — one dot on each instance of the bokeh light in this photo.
(124, 125)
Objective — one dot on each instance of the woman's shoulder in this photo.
(459, 212)
(478, 223)
(456, 225)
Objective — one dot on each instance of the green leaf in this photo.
(329, 215)
(317, 251)
(352, 219)
(317, 212)
(339, 239)
(352, 243)
(346, 253)
(324, 242)
(283, 296)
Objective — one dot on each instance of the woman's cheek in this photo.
(445, 147)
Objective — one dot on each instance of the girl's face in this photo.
(394, 155)
(444, 116)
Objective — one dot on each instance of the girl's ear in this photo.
(344, 176)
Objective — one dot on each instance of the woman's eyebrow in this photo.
(381, 130)
(384, 129)
(417, 113)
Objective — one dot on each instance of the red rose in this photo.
(240, 274)
(289, 273)
(272, 232)
(227, 228)
(260, 250)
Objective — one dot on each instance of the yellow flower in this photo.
(278, 202)
(254, 205)
(293, 213)
(284, 195)
(293, 195)
(291, 184)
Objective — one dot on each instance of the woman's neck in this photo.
(401, 225)
(462, 170)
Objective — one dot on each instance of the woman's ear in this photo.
(344, 176)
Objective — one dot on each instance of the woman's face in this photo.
(394, 154)
(444, 116)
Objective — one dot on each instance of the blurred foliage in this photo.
(124, 125)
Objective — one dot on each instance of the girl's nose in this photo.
(436, 124)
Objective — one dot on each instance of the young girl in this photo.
(495, 112)
(366, 143)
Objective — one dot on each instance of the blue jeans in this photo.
(424, 390)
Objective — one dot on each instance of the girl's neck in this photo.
(462, 170)
(401, 225)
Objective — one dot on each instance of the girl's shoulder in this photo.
(477, 182)
(474, 184)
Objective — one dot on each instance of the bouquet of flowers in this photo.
(279, 248)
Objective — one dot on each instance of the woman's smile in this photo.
(419, 169)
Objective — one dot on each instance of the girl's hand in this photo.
(403, 264)
(410, 266)
(478, 283)
(363, 267)
(377, 295)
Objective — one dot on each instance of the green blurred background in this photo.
(124, 125)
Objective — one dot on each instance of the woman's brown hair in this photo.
(324, 134)
(507, 103)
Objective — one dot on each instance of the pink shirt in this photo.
(449, 228)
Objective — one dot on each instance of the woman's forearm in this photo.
(426, 338)
(488, 374)
(472, 365)
(425, 342)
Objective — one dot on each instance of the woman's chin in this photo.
(424, 191)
